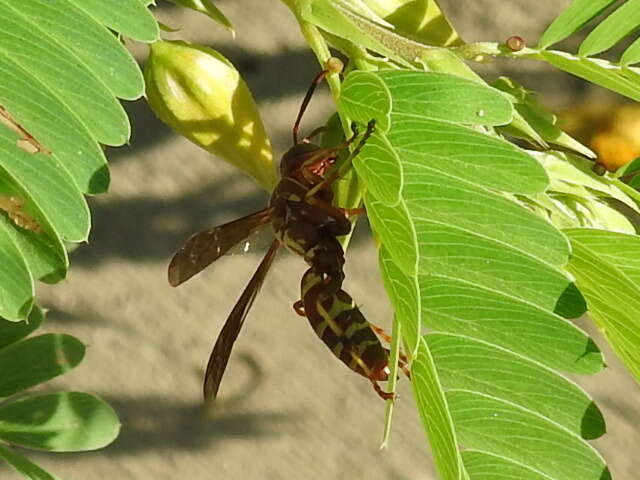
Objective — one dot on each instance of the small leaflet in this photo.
(26, 142)
(13, 207)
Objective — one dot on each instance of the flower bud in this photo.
(199, 93)
(422, 21)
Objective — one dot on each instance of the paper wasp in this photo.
(304, 220)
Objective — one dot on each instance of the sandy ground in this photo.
(289, 409)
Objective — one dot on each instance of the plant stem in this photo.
(394, 356)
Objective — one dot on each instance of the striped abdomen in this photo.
(342, 327)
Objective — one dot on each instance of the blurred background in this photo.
(288, 408)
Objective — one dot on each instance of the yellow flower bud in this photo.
(420, 20)
(199, 93)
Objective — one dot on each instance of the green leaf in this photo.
(471, 365)
(45, 185)
(59, 422)
(341, 21)
(129, 17)
(36, 108)
(28, 47)
(36, 360)
(439, 96)
(44, 254)
(612, 29)
(394, 223)
(24, 466)
(582, 195)
(632, 54)
(11, 332)
(90, 43)
(379, 167)
(63, 71)
(364, 97)
(435, 415)
(208, 8)
(576, 16)
(514, 433)
(418, 20)
(542, 122)
(404, 294)
(483, 466)
(466, 154)
(606, 266)
(464, 260)
(16, 284)
(601, 72)
(446, 97)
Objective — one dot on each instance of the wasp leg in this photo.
(405, 369)
(347, 163)
(314, 133)
(349, 212)
(384, 335)
(402, 360)
(381, 393)
(371, 126)
(298, 307)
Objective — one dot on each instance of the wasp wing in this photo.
(222, 348)
(203, 248)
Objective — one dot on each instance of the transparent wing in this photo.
(222, 348)
(203, 248)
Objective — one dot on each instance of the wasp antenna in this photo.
(305, 103)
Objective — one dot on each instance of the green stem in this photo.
(317, 43)
(394, 356)
(480, 50)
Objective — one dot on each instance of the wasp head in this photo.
(307, 156)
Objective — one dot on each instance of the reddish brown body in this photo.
(305, 221)
(309, 226)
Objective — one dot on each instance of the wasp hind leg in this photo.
(381, 393)
(381, 333)
(351, 212)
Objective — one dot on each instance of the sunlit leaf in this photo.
(612, 29)
(514, 433)
(576, 16)
(632, 54)
(466, 261)
(63, 72)
(435, 415)
(607, 270)
(542, 122)
(208, 8)
(601, 72)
